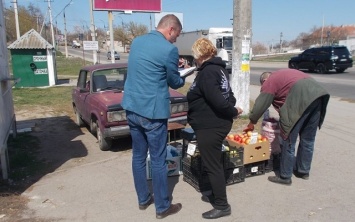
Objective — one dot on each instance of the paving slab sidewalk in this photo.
(103, 190)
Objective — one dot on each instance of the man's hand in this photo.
(250, 127)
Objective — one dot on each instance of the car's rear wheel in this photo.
(321, 69)
(293, 65)
(340, 70)
(78, 120)
(104, 143)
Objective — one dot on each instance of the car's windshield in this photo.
(109, 79)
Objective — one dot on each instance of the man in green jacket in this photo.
(301, 103)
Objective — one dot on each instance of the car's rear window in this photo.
(341, 51)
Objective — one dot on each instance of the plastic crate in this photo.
(194, 174)
(188, 134)
(233, 158)
(254, 169)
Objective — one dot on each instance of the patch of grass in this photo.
(69, 67)
(23, 156)
(57, 97)
(275, 58)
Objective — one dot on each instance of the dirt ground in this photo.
(52, 130)
(58, 149)
(62, 145)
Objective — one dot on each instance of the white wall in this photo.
(350, 44)
(6, 103)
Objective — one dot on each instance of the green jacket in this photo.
(290, 92)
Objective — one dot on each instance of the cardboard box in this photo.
(173, 162)
(253, 152)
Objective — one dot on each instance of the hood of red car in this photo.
(110, 97)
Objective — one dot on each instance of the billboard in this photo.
(124, 5)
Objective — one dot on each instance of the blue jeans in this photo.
(149, 134)
(306, 129)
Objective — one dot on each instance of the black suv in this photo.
(322, 59)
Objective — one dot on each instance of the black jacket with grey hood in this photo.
(210, 97)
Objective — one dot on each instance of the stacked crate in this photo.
(193, 168)
(240, 161)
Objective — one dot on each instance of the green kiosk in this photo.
(33, 60)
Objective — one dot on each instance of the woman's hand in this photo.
(239, 111)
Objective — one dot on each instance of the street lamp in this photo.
(120, 18)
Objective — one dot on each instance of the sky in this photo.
(270, 18)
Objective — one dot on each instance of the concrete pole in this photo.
(93, 33)
(50, 20)
(240, 78)
(65, 36)
(110, 19)
(16, 20)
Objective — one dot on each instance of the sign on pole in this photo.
(91, 45)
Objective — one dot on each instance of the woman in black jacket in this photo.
(211, 112)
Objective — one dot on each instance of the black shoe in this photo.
(207, 199)
(276, 179)
(214, 213)
(173, 209)
(145, 206)
(304, 176)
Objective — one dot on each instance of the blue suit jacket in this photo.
(152, 69)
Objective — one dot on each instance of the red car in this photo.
(97, 102)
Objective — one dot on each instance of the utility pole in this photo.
(110, 19)
(281, 42)
(50, 20)
(93, 33)
(16, 20)
(240, 79)
(65, 37)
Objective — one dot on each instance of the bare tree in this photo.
(259, 48)
(128, 31)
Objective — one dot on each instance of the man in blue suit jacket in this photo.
(152, 69)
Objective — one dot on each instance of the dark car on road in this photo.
(323, 59)
(97, 102)
(116, 54)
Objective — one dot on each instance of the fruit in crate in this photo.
(230, 136)
(246, 137)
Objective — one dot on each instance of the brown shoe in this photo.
(146, 205)
(173, 209)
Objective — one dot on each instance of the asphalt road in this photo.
(340, 85)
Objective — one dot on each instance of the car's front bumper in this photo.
(121, 131)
